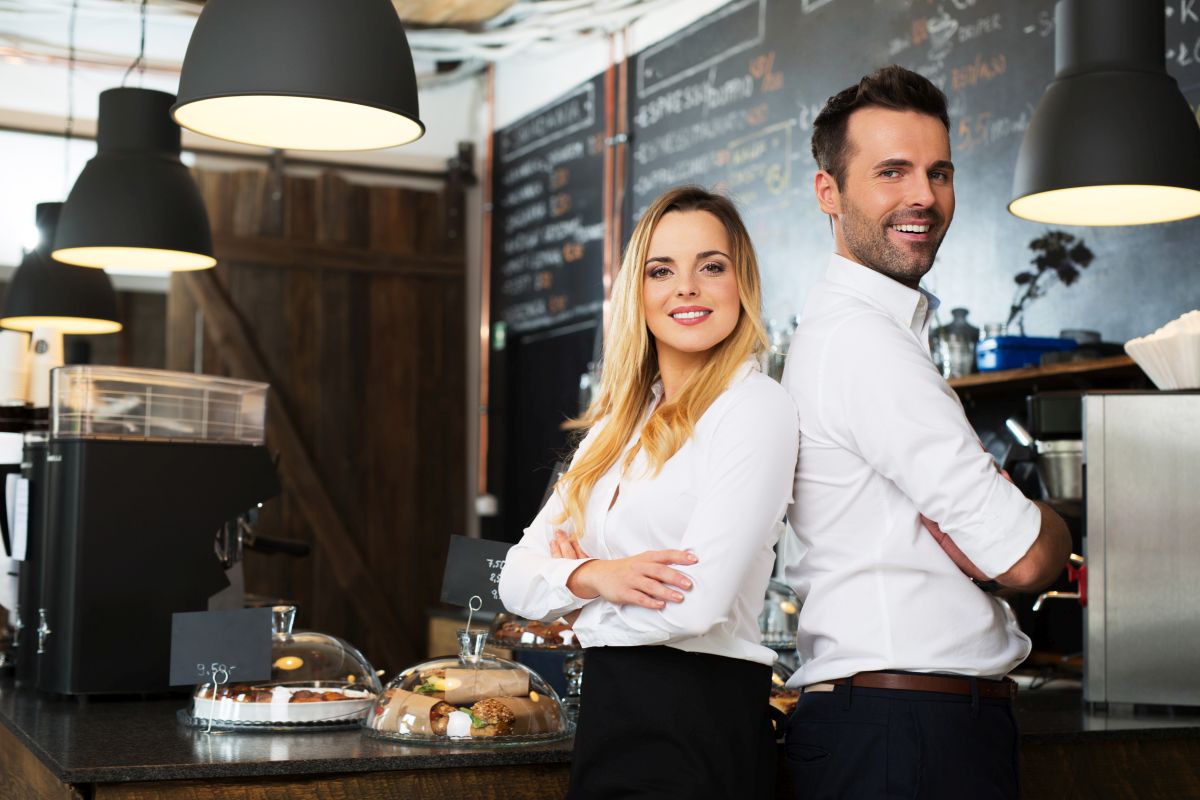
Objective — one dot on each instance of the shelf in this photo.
(1110, 372)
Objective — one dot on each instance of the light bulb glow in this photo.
(298, 123)
(77, 325)
(1129, 204)
(134, 258)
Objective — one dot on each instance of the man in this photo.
(896, 505)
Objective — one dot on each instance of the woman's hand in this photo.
(563, 546)
(642, 580)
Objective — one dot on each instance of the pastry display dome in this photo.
(783, 698)
(316, 679)
(471, 699)
(522, 634)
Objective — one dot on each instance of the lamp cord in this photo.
(140, 61)
(70, 131)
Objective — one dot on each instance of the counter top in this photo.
(103, 740)
(1053, 715)
(115, 741)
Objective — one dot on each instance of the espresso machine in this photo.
(142, 476)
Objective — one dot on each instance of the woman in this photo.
(660, 533)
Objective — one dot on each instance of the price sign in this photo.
(220, 646)
(473, 568)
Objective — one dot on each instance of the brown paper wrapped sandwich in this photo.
(461, 687)
(411, 713)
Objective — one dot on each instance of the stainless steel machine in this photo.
(1142, 512)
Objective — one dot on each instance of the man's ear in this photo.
(828, 197)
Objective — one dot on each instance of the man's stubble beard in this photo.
(868, 243)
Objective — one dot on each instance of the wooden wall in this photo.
(349, 300)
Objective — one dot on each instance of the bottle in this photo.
(962, 338)
(953, 345)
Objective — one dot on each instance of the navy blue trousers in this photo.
(885, 743)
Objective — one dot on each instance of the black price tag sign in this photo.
(220, 646)
(473, 569)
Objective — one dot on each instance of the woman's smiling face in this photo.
(689, 289)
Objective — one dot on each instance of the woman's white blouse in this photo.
(722, 496)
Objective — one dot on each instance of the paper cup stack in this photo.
(1170, 355)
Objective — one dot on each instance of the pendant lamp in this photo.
(300, 74)
(1113, 141)
(135, 205)
(47, 299)
(46, 293)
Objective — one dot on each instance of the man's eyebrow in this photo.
(903, 162)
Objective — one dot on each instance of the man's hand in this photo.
(951, 549)
(642, 580)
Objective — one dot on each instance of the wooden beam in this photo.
(281, 253)
(236, 346)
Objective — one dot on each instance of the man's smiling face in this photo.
(897, 198)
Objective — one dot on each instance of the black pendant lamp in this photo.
(45, 293)
(300, 74)
(135, 205)
(1113, 141)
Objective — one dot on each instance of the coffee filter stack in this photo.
(1170, 355)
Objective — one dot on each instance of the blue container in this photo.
(1014, 352)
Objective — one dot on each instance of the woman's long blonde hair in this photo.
(631, 362)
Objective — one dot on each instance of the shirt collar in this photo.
(912, 308)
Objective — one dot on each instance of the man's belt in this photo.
(1004, 689)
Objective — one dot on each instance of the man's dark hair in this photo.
(892, 87)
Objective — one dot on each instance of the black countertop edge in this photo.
(106, 741)
(428, 758)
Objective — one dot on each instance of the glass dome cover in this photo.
(780, 617)
(472, 699)
(783, 698)
(316, 679)
(518, 633)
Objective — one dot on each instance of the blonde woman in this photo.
(659, 536)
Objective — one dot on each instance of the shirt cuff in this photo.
(1019, 525)
(556, 576)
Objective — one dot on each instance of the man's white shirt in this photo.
(883, 440)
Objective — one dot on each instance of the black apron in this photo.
(657, 722)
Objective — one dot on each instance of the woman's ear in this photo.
(828, 197)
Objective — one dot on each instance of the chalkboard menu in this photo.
(548, 215)
(728, 103)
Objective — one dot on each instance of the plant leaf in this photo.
(1067, 274)
(1081, 255)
